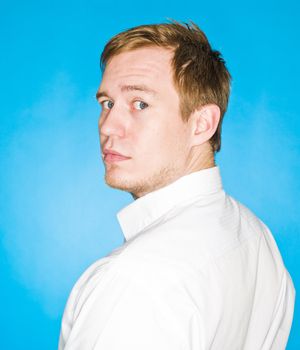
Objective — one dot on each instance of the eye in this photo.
(107, 104)
(139, 105)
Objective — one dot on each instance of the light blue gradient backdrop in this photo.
(56, 214)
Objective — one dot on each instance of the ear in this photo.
(204, 123)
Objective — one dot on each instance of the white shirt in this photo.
(197, 271)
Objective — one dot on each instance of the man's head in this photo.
(164, 93)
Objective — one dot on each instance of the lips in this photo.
(111, 156)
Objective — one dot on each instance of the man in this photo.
(198, 270)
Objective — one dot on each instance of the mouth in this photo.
(111, 156)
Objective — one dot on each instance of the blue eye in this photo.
(107, 104)
(139, 105)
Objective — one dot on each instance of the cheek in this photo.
(158, 145)
(159, 136)
(147, 142)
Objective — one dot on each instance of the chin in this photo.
(120, 182)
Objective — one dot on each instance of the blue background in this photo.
(56, 214)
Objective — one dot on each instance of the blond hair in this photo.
(199, 72)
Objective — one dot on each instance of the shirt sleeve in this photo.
(133, 305)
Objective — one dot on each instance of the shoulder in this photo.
(252, 226)
(95, 277)
(199, 231)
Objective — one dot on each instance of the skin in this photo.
(141, 121)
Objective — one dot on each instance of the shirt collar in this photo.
(145, 210)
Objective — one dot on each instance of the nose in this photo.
(111, 123)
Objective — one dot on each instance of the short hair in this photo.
(199, 72)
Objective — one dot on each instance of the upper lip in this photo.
(110, 151)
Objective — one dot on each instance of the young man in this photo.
(198, 270)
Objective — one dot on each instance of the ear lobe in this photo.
(205, 122)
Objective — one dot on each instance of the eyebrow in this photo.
(100, 94)
(142, 88)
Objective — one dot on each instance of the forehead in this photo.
(147, 65)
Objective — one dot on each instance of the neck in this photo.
(200, 158)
